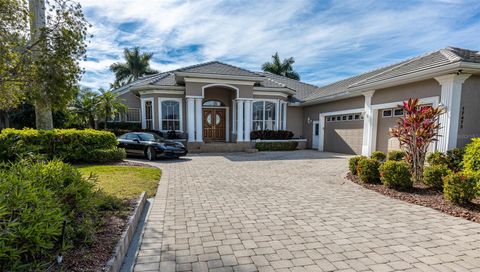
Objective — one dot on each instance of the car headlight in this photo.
(179, 144)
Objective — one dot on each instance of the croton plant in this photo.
(416, 130)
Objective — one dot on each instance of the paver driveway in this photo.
(293, 211)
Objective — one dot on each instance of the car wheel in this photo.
(151, 154)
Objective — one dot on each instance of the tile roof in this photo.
(306, 92)
(218, 68)
(431, 60)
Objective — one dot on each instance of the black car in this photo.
(150, 145)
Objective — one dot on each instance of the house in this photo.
(215, 101)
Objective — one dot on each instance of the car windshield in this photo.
(149, 137)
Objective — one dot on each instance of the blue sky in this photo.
(329, 40)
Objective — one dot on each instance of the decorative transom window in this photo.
(263, 115)
(170, 115)
(213, 103)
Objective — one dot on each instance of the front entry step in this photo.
(219, 147)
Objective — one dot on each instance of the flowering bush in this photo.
(416, 130)
(459, 187)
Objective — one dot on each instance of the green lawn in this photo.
(124, 182)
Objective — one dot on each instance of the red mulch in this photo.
(95, 257)
(422, 195)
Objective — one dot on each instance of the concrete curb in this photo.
(118, 255)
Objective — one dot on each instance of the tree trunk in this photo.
(43, 107)
(43, 115)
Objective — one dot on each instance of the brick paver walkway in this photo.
(293, 211)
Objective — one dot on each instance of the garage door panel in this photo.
(344, 137)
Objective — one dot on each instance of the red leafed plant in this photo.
(416, 130)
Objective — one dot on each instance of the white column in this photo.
(191, 119)
(450, 98)
(368, 124)
(248, 120)
(277, 115)
(239, 120)
(284, 118)
(198, 118)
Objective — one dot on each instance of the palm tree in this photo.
(109, 105)
(85, 107)
(136, 65)
(278, 67)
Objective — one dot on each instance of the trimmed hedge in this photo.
(379, 156)
(105, 155)
(454, 159)
(353, 163)
(68, 144)
(459, 187)
(271, 135)
(433, 175)
(276, 146)
(396, 155)
(396, 174)
(367, 170)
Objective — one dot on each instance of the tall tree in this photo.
(42, 60)
(109, 105)
(283, 68)
(137, 64)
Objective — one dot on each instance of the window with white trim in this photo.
(263, 115)
(170, 115)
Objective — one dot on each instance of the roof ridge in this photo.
(450, 54)
(298, 81)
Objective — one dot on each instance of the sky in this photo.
(330, 40)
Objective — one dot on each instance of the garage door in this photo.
(344, 133)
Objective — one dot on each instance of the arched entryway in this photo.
(216, 113)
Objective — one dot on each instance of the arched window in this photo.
(263, 115)
(213, 103)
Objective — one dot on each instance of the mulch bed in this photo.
(95, 257)
(422, 195)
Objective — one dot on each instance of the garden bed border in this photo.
(119, 252)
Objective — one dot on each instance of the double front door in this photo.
(214, 124)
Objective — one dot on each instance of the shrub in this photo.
(379, 156)
(433, 175)
(367, 170)
(36, 198)
(276, 146)
(396, 155)
(69, 144)
(31, 221)
(271, 135)
(459, 187)
(396, 174)
(471, 159)
(353, 164)
(436, 158)
(454, 159)
(105, 155)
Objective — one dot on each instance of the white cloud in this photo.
(329, 42)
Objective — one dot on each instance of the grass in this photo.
(125, 182)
